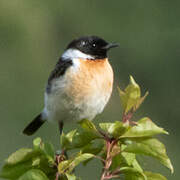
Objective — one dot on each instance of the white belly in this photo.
(79, 94)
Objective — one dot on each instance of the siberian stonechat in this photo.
(80, 85)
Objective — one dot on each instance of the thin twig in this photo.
(116, 171)
(98, 157)
(109, 147)
(57, 176)
(127, 117)
(111, 176)
(104, 135)
(59, 158)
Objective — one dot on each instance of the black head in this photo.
(92, 45)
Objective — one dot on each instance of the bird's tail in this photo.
(33, 126)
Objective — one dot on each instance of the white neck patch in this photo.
(75, 53)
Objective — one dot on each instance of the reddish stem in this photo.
(59, 157)
(110, 143)
(57, 176)
(108, 161)
(127, 117)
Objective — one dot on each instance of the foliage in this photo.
(116, 145)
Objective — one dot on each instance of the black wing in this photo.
(59, 70)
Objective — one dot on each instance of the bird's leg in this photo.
(61, 155)
(61, 125)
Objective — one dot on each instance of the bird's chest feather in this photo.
(85, 88)
(90, 84)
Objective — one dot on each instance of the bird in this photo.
(80, 85)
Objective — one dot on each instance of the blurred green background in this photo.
(33, 34)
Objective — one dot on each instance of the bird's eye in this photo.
(83, 43)
(94, 45)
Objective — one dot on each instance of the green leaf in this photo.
(118, 161)
(66, 139)
(24, 159)
(64, 166)
(129, 157)
(150, 147)
(144, 128)
(46, 148)
(33, 174)
(49, 150)
(123, 159)
(126, 159)
(14, 171)
(19, 156)
(71, 176)
(36, 161)
(37, 143)
(140, 101)
(115, 129)
(78, 139)
(88, 125)
(154, 176)
(81, 157)
(130, 96)
(83, 138)
(105, 126)
(132, 172)
(93, 147)
(19, 162)
(136, 165)
(69, 165)
(133, 177)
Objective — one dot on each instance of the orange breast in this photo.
(92, 79)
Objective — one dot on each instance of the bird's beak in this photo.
(110, 45)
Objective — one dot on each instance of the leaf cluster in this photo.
(30, 164)
(115, 144)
